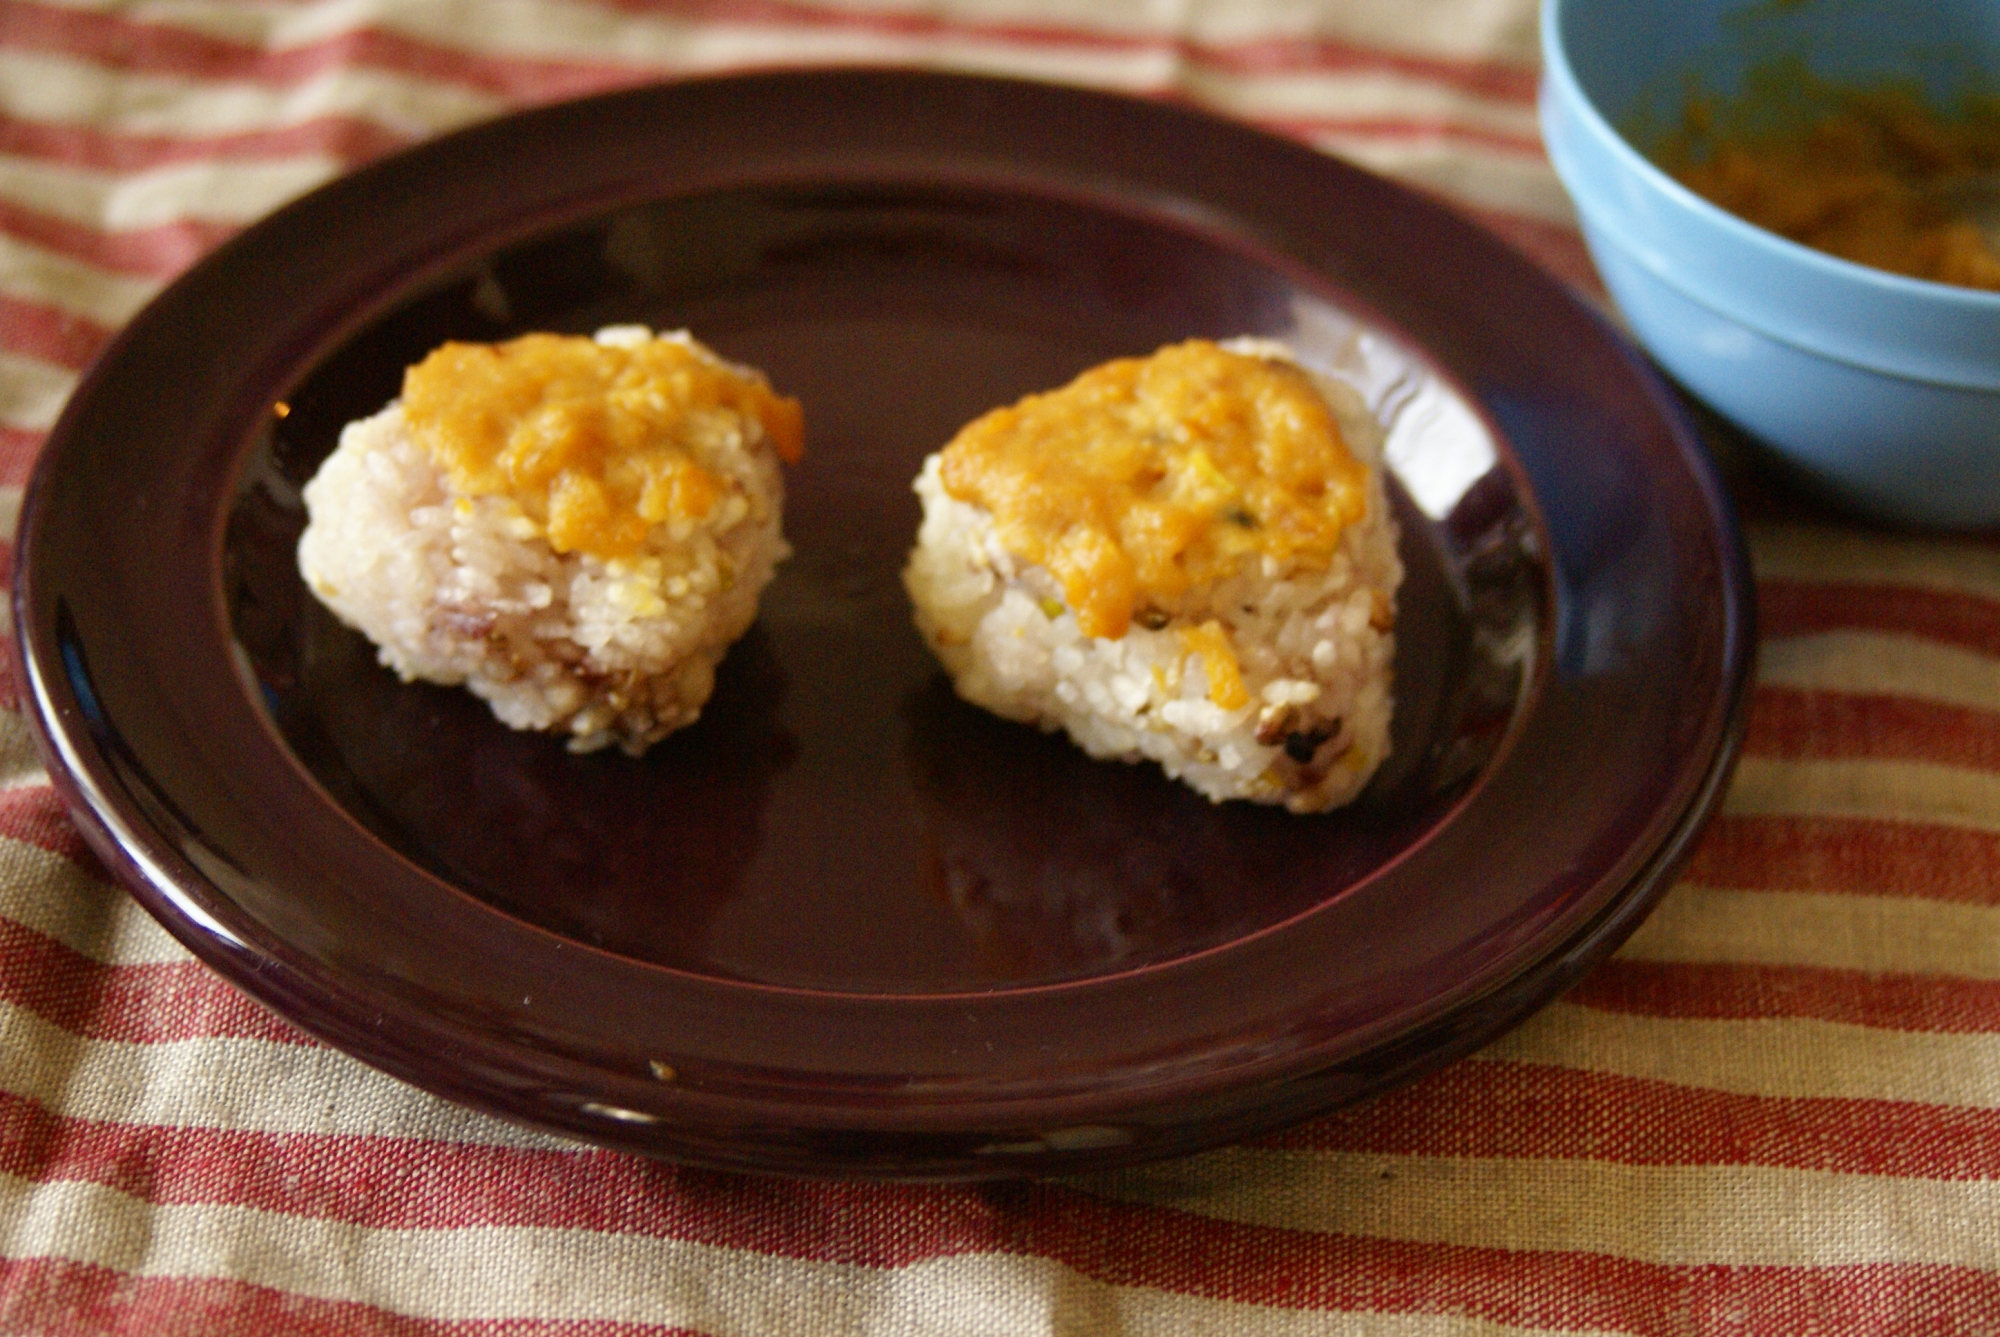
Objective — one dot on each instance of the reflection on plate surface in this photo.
(836, 820)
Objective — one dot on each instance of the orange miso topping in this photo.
(1146, 476)
(1880, 180)
(596, 443)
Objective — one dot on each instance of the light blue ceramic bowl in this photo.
(1881, 389)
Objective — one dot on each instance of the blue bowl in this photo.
(1880, 389)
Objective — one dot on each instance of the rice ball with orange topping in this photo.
(574, 528)
(1187, 558)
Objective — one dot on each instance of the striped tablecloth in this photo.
(1777, 1110)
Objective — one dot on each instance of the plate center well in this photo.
(838, 819)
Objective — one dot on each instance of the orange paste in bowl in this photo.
(1145, 477)
(1872, 180)
(596, 443)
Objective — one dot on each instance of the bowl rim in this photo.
(1727, 246)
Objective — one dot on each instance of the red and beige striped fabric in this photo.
(1777, 1110)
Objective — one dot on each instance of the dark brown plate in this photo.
(847, 924)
